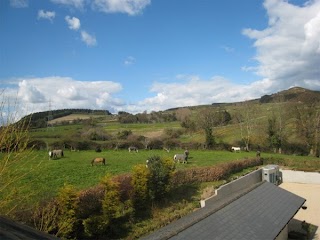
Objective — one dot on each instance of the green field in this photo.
(45, 177)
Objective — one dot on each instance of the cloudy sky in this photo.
(151, 55)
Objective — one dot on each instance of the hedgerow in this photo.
(107, 210)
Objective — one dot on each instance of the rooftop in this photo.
(260, 211)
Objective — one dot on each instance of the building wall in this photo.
(283, 235)
(291, 176)
(237, 185)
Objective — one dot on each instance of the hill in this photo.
(240, 124)
(295, 94)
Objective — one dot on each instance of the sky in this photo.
(152, 55)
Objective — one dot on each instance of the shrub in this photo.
(67, 202)
(155, 144)
(209, 174)
(173, 133)
(90, 201)
(140, 182)
(159, 178)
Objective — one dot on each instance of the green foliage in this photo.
(67, 202)
(210, 142)
(159, 179)
(140, 183)
(273, 134)
(124, 134)
(111, 204)
(112, 209)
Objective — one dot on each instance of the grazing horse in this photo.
(132, 148)
(56, 153)
(235, 149)
(98, 160)
(181, 157)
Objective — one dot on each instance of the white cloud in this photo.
(129, 61)
(193, 91)
(73, 23)
(88, 39)
(72, 3)
(46, 15)
(64, 92)
(130, 7)
(19, 3)
(288, 50)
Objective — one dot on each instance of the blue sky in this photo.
(151, 55)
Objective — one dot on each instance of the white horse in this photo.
(56, 153)
(181, 157)
(132, 148)
(236, 149)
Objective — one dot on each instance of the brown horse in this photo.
(98, 160)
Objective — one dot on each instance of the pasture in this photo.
(44, 177)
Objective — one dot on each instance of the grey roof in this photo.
(11, 230)
(258, 213)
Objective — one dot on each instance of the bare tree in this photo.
(308, 125)
(246, 117)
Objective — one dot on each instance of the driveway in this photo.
(311, 192)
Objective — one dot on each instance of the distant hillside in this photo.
(40, 119)
(295, 94)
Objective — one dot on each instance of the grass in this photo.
(45, 177)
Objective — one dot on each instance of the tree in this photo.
(246, 118)
(308, 125)
(208, 119)
(273, 134)
(159, 178)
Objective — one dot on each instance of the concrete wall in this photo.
(300, 177)
(283, 235)
(237, 185)
(240, 183)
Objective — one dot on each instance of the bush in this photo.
(155, 144)
(159, 178)
(209, 174)
(67, 202)
(140, 197)
(173, 133)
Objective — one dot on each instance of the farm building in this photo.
(247, 208)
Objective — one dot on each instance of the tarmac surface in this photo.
(311, 192)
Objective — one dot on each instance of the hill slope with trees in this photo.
(287, 121)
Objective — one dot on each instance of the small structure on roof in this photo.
(272, 174)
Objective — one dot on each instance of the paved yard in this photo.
(311, 192)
